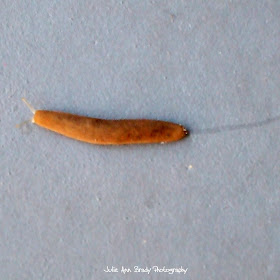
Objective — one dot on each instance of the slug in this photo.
(108, 132)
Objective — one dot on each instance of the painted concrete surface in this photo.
(209, 204)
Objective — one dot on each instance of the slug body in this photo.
(109, 132)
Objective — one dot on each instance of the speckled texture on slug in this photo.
(109, 132)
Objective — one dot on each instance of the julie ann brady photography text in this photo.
(147, 270)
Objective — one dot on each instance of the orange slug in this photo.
(108, 132)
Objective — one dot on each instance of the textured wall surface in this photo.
(209, 203)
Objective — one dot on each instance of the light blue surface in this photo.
(210, 203)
